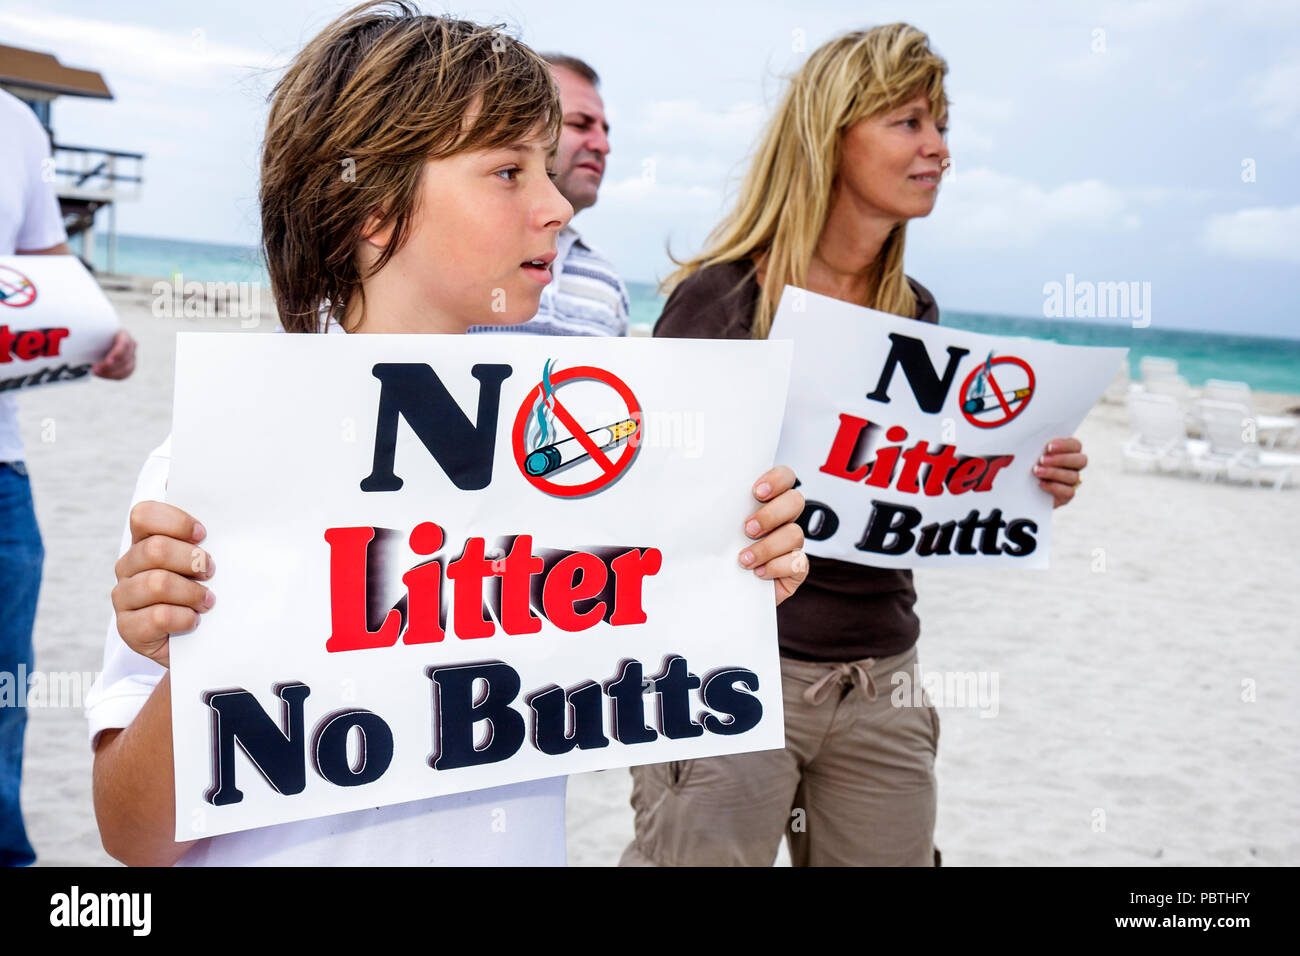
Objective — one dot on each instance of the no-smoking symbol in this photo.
(550, 444)
(997, 391)
(16, 290)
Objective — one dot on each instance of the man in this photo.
(30, 224)
(585, 295)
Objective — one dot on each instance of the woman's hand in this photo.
(775, 553)
(1059, 468)
(157, 592)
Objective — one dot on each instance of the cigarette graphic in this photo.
(11, 290)
(982, 403)
(545, 460)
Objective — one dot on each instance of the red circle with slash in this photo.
(1008, 412)
(611, 469)
(17, 292)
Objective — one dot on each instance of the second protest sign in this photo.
(915, 443)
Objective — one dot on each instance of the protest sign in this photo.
(446, 563)
(915, 444)
(55, 322)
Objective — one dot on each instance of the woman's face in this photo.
(481, 216)
(890, 164)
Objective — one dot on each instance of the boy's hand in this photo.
(1058, 470)
(775, 552)
(157, 592)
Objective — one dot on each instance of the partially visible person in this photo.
(30, 224)
(587, 297)
(855, 150)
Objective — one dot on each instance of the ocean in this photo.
(1266, 364)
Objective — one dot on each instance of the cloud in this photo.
(1147, 13)
(134, 51)
(191, 102)
(966, 138)
(689, 122)
(1162, 14)
(1266, 232)
(970, 116)
(1276, 95)
(980, 108)
(981, 208)
(1156, 195)
(649, 189)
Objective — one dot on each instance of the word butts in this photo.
(465, 697)
(574, 590)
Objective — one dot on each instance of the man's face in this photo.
(584, 140)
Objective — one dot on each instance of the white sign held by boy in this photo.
(465, 562)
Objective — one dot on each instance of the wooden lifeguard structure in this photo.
(86, 178)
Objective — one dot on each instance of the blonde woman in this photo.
(855, 150)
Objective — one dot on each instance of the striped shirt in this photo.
(584, 297)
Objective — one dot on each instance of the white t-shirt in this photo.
(29, 218)
(516, 825)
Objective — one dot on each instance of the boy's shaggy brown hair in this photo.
(382, 90)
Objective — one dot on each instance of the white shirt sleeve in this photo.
(128, 678)
(42, 222)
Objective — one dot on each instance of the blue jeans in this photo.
(21, 556)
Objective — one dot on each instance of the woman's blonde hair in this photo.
(375, 95)
(785, 196)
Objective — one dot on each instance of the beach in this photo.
(1133, 705)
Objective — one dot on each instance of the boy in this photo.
(449, 127)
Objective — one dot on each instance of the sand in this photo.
(1146, 710)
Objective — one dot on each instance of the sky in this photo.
(1154, 142)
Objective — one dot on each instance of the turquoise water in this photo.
(161, 258)
(1267, 364)
(645, 303)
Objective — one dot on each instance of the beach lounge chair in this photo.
(1222, 390)
(1153, 366)
(1233, 450)
(1160, 440)
(1175, 386)
(1117, 391)
(1271, 430)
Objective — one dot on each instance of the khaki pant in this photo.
(854, 785)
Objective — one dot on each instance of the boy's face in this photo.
(479, 219)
